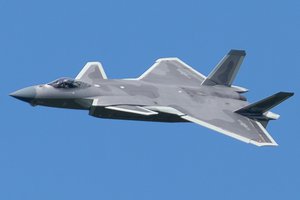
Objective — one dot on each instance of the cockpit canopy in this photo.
(68, 83)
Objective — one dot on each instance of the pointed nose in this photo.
(25, 94)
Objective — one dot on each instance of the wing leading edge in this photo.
(221, 117)
(225, 122)
(243, 129)
(172, 71)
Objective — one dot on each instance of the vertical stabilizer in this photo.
(226, 70)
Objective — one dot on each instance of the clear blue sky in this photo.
(48, 153)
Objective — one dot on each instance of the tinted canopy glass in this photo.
(67, 83)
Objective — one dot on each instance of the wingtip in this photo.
(290, 94)
(286, 94)
(168, 59)
(272, 144)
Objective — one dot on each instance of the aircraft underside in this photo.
(102, 112)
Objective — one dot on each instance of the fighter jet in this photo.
(169, 91)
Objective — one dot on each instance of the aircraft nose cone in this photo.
(25, 94)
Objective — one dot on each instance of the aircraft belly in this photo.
(102, 112)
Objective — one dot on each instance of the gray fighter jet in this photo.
(169, 91)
